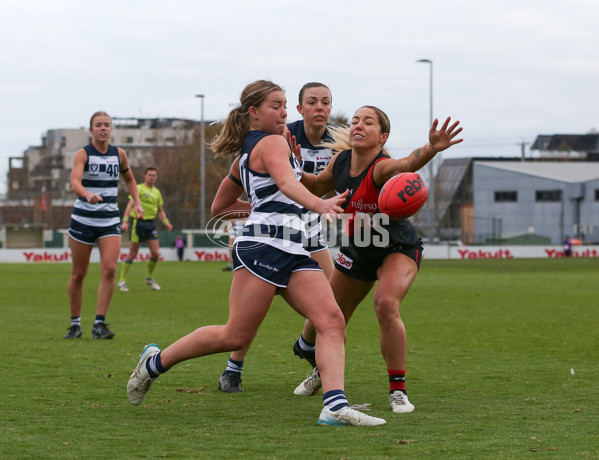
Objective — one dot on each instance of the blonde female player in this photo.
(268, 257)
(315, 104)
(95, 219)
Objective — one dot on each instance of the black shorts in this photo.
(88, 234)
(363, 263)
(270, 264)
(142, 230)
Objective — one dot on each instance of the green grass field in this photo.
(503, 363)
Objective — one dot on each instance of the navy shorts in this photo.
(317, 240)
(363, 263)
(270, 264)
(143, 230)
(316, 244)
(88, 234)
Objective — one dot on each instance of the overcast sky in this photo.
(507, 70)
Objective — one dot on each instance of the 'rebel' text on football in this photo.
(413, 187)
(403, 195)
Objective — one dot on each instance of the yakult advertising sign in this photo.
(64, 255)
(220, 254)
(505, 252)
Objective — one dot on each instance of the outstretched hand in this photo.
(295, 147)
(331, 207)
(444, 137)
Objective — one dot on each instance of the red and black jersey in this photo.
(363, 199)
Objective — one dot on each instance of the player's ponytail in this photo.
(237, 125)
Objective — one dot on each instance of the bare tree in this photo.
(179, 178)
(339, 119)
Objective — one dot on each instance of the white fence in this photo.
(220, 254)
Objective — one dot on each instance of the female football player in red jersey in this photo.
(375, 248)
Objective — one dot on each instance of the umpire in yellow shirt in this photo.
(144, 229)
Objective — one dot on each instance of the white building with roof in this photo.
(550, 199)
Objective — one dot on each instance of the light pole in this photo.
(202, 168)
(431, 174)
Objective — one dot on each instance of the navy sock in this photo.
(154, 366)
(233, 366)
(305, 345)
(76, 321)
(335, 400)
(100, 319)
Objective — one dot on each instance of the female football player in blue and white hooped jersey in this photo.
(269, 257)
(363, 167)
(315, 104)
(306, 135)
(95, 219)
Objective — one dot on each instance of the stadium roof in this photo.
(564, 171)
(567, 143)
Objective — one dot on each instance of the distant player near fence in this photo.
(95, 219)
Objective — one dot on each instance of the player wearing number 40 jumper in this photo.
(307, 134)
(95, 219)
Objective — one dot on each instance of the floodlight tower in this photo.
(431, 173)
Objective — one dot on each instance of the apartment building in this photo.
(38, 185)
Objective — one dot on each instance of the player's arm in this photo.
(274, 152)
(130, 183)
(227, 199)
(322, 183)
(385, 170)
(162, 216)
(438, 140)
(77, 177)
(126, 214)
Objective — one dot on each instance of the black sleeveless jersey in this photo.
(363, 199)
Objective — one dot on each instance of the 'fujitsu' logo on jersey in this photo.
(361, 206)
